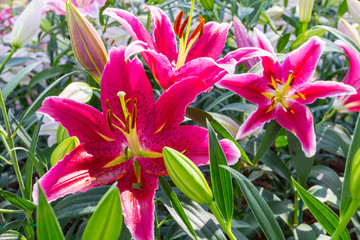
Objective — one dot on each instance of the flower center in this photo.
(185, 43)
(281, 93)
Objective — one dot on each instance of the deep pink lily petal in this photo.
(257, 119)
(163, 33)
(348, 103)
(132, 25)
(82, 169)
(116, 77)
(302, 61)
(243, 54)
(323, 89)
(158, 63)
(243, 39)
(137, 204)
(249, 86)
(81, 120)
(193, 141)
(352, 76)
(211, 43)
(172, 104)
(262, 42)
(300, 123)
(205, 69)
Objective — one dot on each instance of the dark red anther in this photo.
(182, 28)
(108, 120)
(177, 22)
(134, 114)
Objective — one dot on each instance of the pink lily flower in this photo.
(283, 90)
(350, 103)
(86, 7)
(197, 54)
(125, 142)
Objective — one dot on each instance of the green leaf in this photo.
(346, 197)
(17, 201)
(13, 83)
(179, 213)
(61, 134)
(50, 73)
(327, 177)
(323, 214)
(302, 164)
(47, 225)
(333, 138)
(220, 178)
(13, 225)
(263, 214)
(12, 235)
(200, 117)
(64, 148)
(269, 138)
(106, 221)
(304, 231)
(343, 8)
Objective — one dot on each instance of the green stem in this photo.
(296, 208)
(215, 15)
(6, 119)
(11, 211)
(217, 215)
(16, 167)
(13, 50)
(326, 117)
(346, 219)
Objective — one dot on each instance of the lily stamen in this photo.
(134, 114)
(182, 28)
(300, 95)
(177, 22)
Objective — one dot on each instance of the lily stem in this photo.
(13, 50)
(326, 117)
(2, 210)
(218, 216)
(346, 219)
(296, 208)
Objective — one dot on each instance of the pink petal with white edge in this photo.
(211, 43)
(300, 123)
(249, 86)
(302, 62)
(262, 42)
(137, 204)
(257, 119)
(129, 77)
(348, 103)
(158, 63)
(81, 120)
(205, 69)
(352, 76)
(243, 54)
(82, 169)
(163, 33)
(323, 89)
(171, 105)
(132, 25)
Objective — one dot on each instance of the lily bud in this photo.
(64, 148)
(355, 177)
(77, 91)
(354, 9)
(88, 47)
(27, 24)
(187, 176)
(305, 10)
(230, 125)
(349, 30)
(274, 13)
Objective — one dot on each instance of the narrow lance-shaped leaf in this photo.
(220, 178)
(17, 201)
(323, 214)
(48, 226)
(106, 221)
(262, 212)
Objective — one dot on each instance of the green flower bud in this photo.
(187, 176)
(207, 4)
(77, 91)
(88, 47)
(355, 177)
(64, 148)
(305, 10)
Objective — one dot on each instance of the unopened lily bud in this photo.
(187, 176)
(230, 125)
(27, 24)
(274, 13)
(77, 91)
(354, 9)
(349, 30)
(305, 10)
(207, 4)
(87, 45)
(355, 177)
(64, 148)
